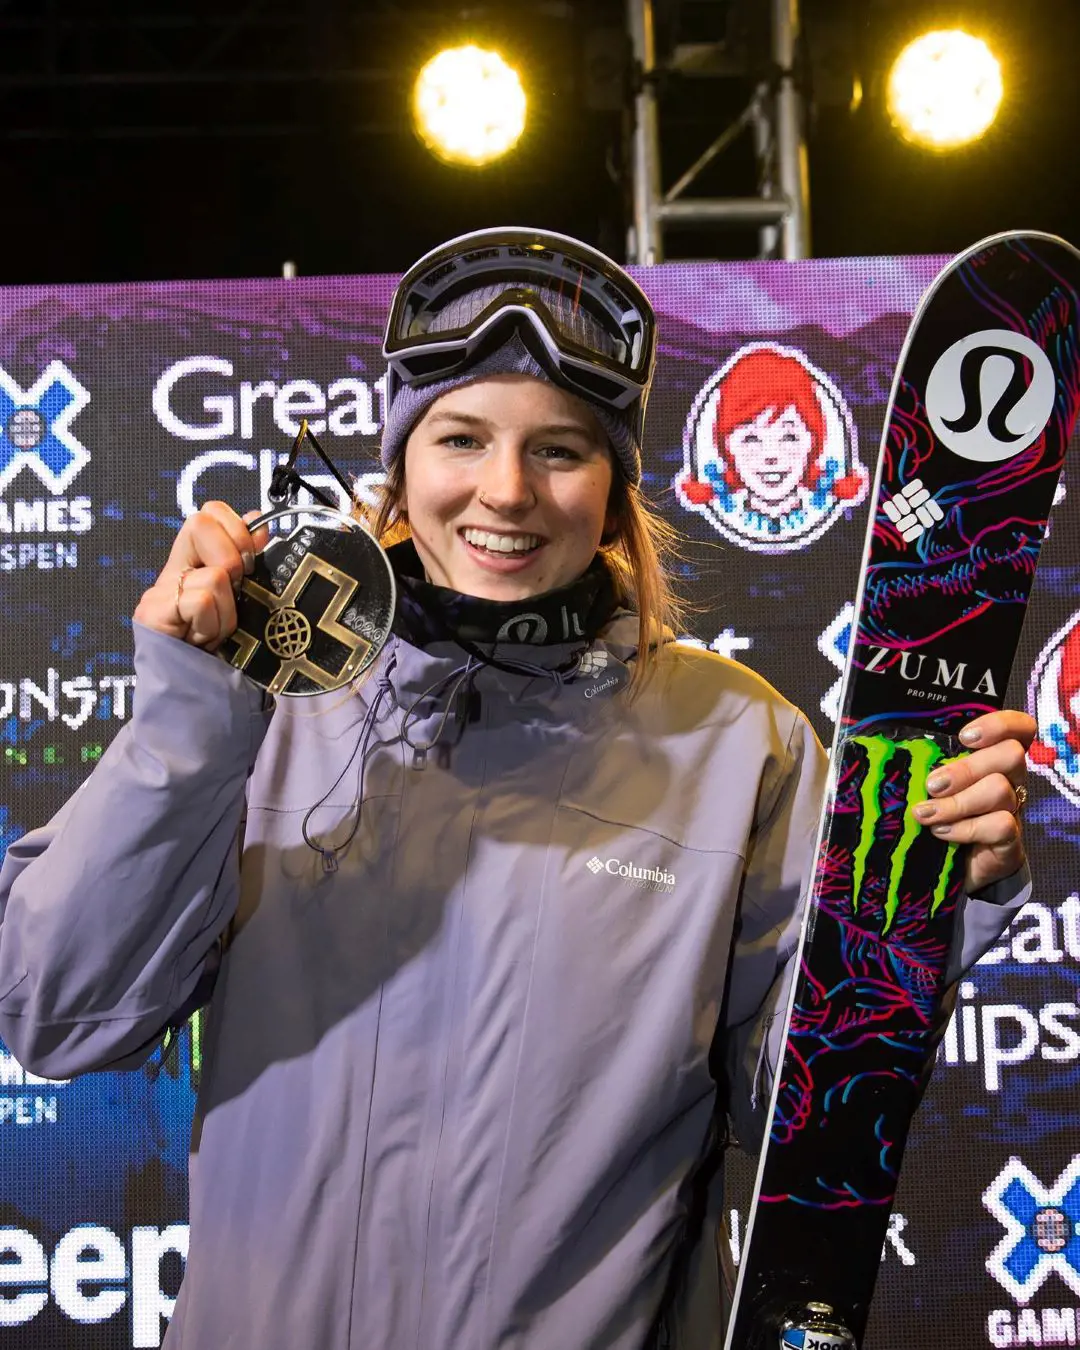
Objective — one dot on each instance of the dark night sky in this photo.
(259, 138)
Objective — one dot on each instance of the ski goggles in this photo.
(577, 312)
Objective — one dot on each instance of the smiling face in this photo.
(771, 453)
(507, 487)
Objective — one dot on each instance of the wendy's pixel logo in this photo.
(770, 454)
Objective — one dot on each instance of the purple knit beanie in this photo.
(512, 358)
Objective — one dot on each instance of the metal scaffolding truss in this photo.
(774, 116)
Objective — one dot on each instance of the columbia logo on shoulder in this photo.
(593, 662)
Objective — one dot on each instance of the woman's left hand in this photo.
(974, 800)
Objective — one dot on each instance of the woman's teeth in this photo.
(502, 543)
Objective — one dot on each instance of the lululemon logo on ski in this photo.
(990, 395)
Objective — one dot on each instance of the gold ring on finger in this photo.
(180, 585)
(1021, 798)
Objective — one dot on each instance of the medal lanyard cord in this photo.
(285, 481)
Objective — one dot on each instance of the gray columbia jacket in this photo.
(456, 1093)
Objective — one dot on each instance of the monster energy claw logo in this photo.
(881, 754)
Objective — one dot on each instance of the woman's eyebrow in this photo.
(461, 418)
(564, 429)
(547, 429)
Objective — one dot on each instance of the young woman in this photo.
(492, 943)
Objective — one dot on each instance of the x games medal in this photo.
(317, 609)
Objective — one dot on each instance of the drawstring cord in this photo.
(458, 682)
(385, 689)
(462, 678)
(330, 854)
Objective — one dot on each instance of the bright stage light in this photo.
(468, 105)
(944, 90)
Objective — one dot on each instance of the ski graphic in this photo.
(982, 407)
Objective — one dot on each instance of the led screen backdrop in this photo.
(123, 408)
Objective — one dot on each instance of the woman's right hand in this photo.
(193, 598)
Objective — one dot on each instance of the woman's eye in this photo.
(460, 441)
(558, 452)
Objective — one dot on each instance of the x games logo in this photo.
(35, 428)
(1042, 1229)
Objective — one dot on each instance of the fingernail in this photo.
(971, 735)
(925, 811)
(938, 782)
(248, 560)
(942, 831)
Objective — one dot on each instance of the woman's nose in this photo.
(506, 484)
